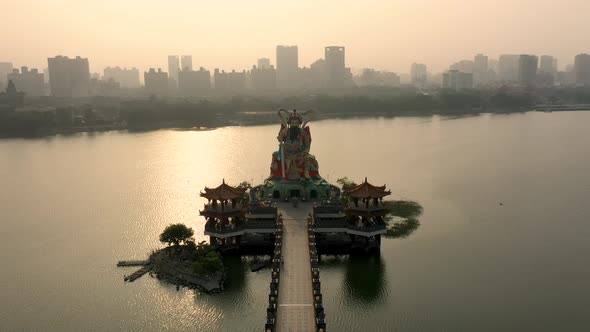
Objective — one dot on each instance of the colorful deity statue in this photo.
(293, 160)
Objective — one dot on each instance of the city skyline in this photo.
(237, 34)
(74, 79)
(456, 64)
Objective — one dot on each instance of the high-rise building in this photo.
(546, 64)
(69, 77)
(582, 69)
(372, 77)
(480, 69)
(108, 87)
(263, 63)
(186, 61)
(508, 68)
(287, 67)
(456, 80)
(229, 83)
(5, 69)
(388, 78)
(314, 77)
(156, 82)
(419, 74)
(547, 73)
(465, 66)
(263, 78)
(220, 81)
(31, 82)
(173, 68)
(127, 78)
(236, 81)
(493, 65)
(193, 83)
(46, 75)
(527, 69)
(335, 66)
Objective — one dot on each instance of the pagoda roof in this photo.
(367, 190)
(222, 192)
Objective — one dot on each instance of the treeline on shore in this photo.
(101, 113)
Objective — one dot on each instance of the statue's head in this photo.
(295, 119)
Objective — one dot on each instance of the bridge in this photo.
(295, 302)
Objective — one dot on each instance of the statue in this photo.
(294, 171)
(293, 160)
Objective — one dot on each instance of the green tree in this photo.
(245, 185)
(176, 234)
(212, 262)
(206, 259)
(346, 183)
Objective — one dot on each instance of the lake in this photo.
(504, 241)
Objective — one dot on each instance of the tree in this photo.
(206, 259)
(176, 234)
(245, 185)
(346, 183)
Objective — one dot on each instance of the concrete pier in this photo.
(295, 309)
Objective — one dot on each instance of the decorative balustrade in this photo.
(315, 277)
(276, 262)
(342, 223)
(223, 208)
(250, 224)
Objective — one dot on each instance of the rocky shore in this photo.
(180, 272)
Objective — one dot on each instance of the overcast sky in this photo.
(388, 34)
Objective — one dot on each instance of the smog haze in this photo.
(387, 35)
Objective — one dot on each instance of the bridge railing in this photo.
(212, 227)
(341, 223)
(273, 296)
(319, 314)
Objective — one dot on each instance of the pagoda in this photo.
(232, 223)
(224, 212)
(366, 201)
(356, 224)
(294, 172)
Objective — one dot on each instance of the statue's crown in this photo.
(295, 116)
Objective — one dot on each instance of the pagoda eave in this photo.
(218, 214)
(365, 213)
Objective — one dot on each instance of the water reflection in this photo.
(236, 272)
(364, 281)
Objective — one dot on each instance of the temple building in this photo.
(358, 224)
(328, 221)
(233, 224)
(343, 222)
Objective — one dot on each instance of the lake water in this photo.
(72, 206)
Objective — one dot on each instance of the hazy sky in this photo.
(389, 34)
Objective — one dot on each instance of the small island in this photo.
(183, 262)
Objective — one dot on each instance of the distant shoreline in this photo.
(255, 121)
